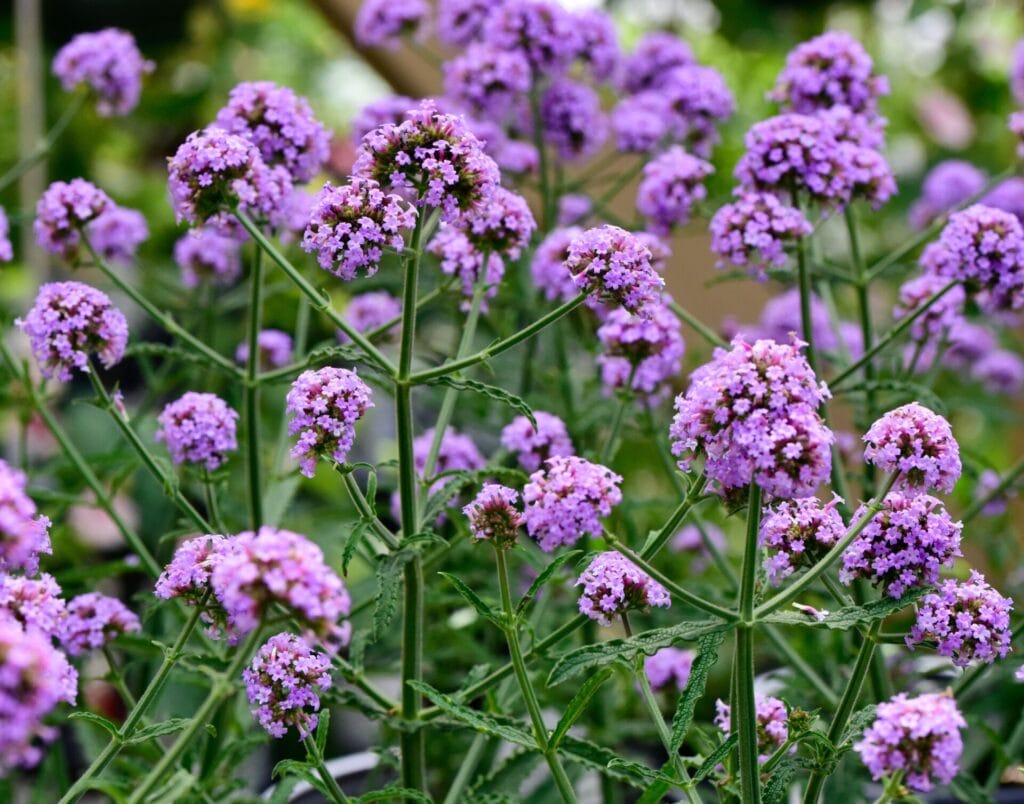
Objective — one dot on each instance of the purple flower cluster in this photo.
(325, 405)
(368, 311)
(198, 429)
(566, 499)
(643, 353)
(640, 122)
(919, 737)
(533, 446)
(434, 157)
(6, 249)
(946, 186)
(187, 576)
(690, 539)
(487, 81)
(936, 321)
(753, 412)
(205, 254)
(24, 535)
(869, 174)
(548, 267)
(493, 515)
(799, 533)
(459, 257)
(460, 22)
(772, 723)
(669, 665)
(110, 63)
(385, 22)
(673, 182)
(917, 443)
(753, 231)
(283, 683)
(280, 124)
(696, 99)
(1000, 371)
(117, 234)
(613, 585)
(500, 225)
(612, 265)
(34, 603)
(599, 43)
(274, 347)
(656, 54)
(572, 119)
(351, 225)
(543, 31)
(904, 544)
(63, 211)
(968, 620)
(70, 322)
(93, 620)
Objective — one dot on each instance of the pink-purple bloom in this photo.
(940, 316)
(572, 119)
(543, 31)
(917, 443)
(274, 347)
(696, 100)
(383, 23)
(644, 354)
(613, 586)
(325, 405)
(669, 666)
(199, 429)
(672, 184)
(612, 265)
(947, 185)
(204, 254)
(109, 62)
(460, 22)
(548, 266)
(798, 533)
(71, 322)
(92, 620)
(24, 533)
(487, 81)
(533, 446)
(869, 174)
(34, 603)
(640, 122)
(371, 310)
(753, 231)
(653, 58)
(283, 683)
(599, 42)
(566, 499)
(772, 723)
(6, 249)
(1001, 371)
(187, 576)
(493, 515)
(117, 234)
(63, 211)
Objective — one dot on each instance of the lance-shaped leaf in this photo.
(473, 599)
(707, 655)
(607, 762)
(578, 705)
(850, 616)
(712, 760)
(543, 578)
(490, 391)
(478, 721)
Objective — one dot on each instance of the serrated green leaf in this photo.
(393, 793)
(389, 582)
(355, 537)
(471, 597)
(476, 720)
(775, 789)
(707, 655)
(322, 728)
(287, 767)
(543, 578)
(147, 733)
(859, 721)
(712, 760)
(590, 657)
(458, 479)
(578, 705)
(491, 392)
(851, 616)
(607, 762)
(107, 725)
(508, 776)
(655, 792)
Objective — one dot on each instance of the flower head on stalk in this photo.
(493, 515)
(613, 585)
(24, 534)
(283, 683)
(612, 265)
(280, 123)
(501, 224)
(968, 620)
(942, 314)
(919, 737)
(93, 620)
(640, 122)
(798, 532)
(487, 81)
(204, 254)
(904, 545)
(697, 100)
(772, 723)
(70, 322)
(543, 31)
(370, 310)
(566, 499)
(351, 225)
(917, 443)
(274, 347)
(643, 353)
(672, 184)
(947, 185)
(325, 405)
(383, 23)
(531, 445)
(117, 234)
(753, 231)
(1000, 371)
(187, 576)
(430, 156)
(198, 429)
(34, 603)
(460, 22)
(63, 210)
(653, 58)
(109, 62)
(869, 173)
(669, 665)
(599, 43)
(572, 119)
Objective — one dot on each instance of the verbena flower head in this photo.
(71, 322)
(612, 265)
(493, 515)
(548, 266)
(573, 208)
(272, 566)
(690, 539)
(795, 154)
(919, 737)
(1008, 196)
(283, 683)
(654, 56)
(648, 350)
(531, 445)
(599, 42)
(772, 723)
(198, 429)
(566, 499)
(904, 545)
(325, 405)
(457, 453)
(460, 22)
(34, 603)
(613, 585)
(385, 22)
(501, 224)
(544, 32)
(63, 210)
(968, 620)
(673, 182)
(280, 124)
(869, 173)
(798, 533)
(34, 678)
(351, 225)
(370, 310)
(640, 122)
(204, 254)
(214, 170)
(486, 80)
(669, 665)
(936, 321)
(1000, 371)
(917, 443)
(187, 576)
(459, 257)
(753, 412)
(697, 100)
(753, 232)
(24, 534)
(829, 70)
(946, 186)
(274, 347)
(6, 249)
(109, 62)
(983, 248)
(572, 119)
(93, 620)
(117, 234)
(851, 128)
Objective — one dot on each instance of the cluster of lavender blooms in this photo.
(772, 723)
(798, 533)
(283, 683)
(493, 515)
(918, 445)
(109, 63)
(199, 429)
(669, 666)
(643, 354)
(372, 310)
(613, 586)
(24, 533)
(532, 446)
(92, 620)
(566, 499)
(62, 212)
(753, 231)
(206, 255)
(615, 266)
(117, 234)
(274, 347)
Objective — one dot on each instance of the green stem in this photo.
(697, 325)
(26, 163)
(806, 321)
(744, 714)
(117, 679)
(363, 507)
(611, 445)
(867, 333)
(333, 791)
(893, 789)
(210, 496)
(252, 393)
(540, 732)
